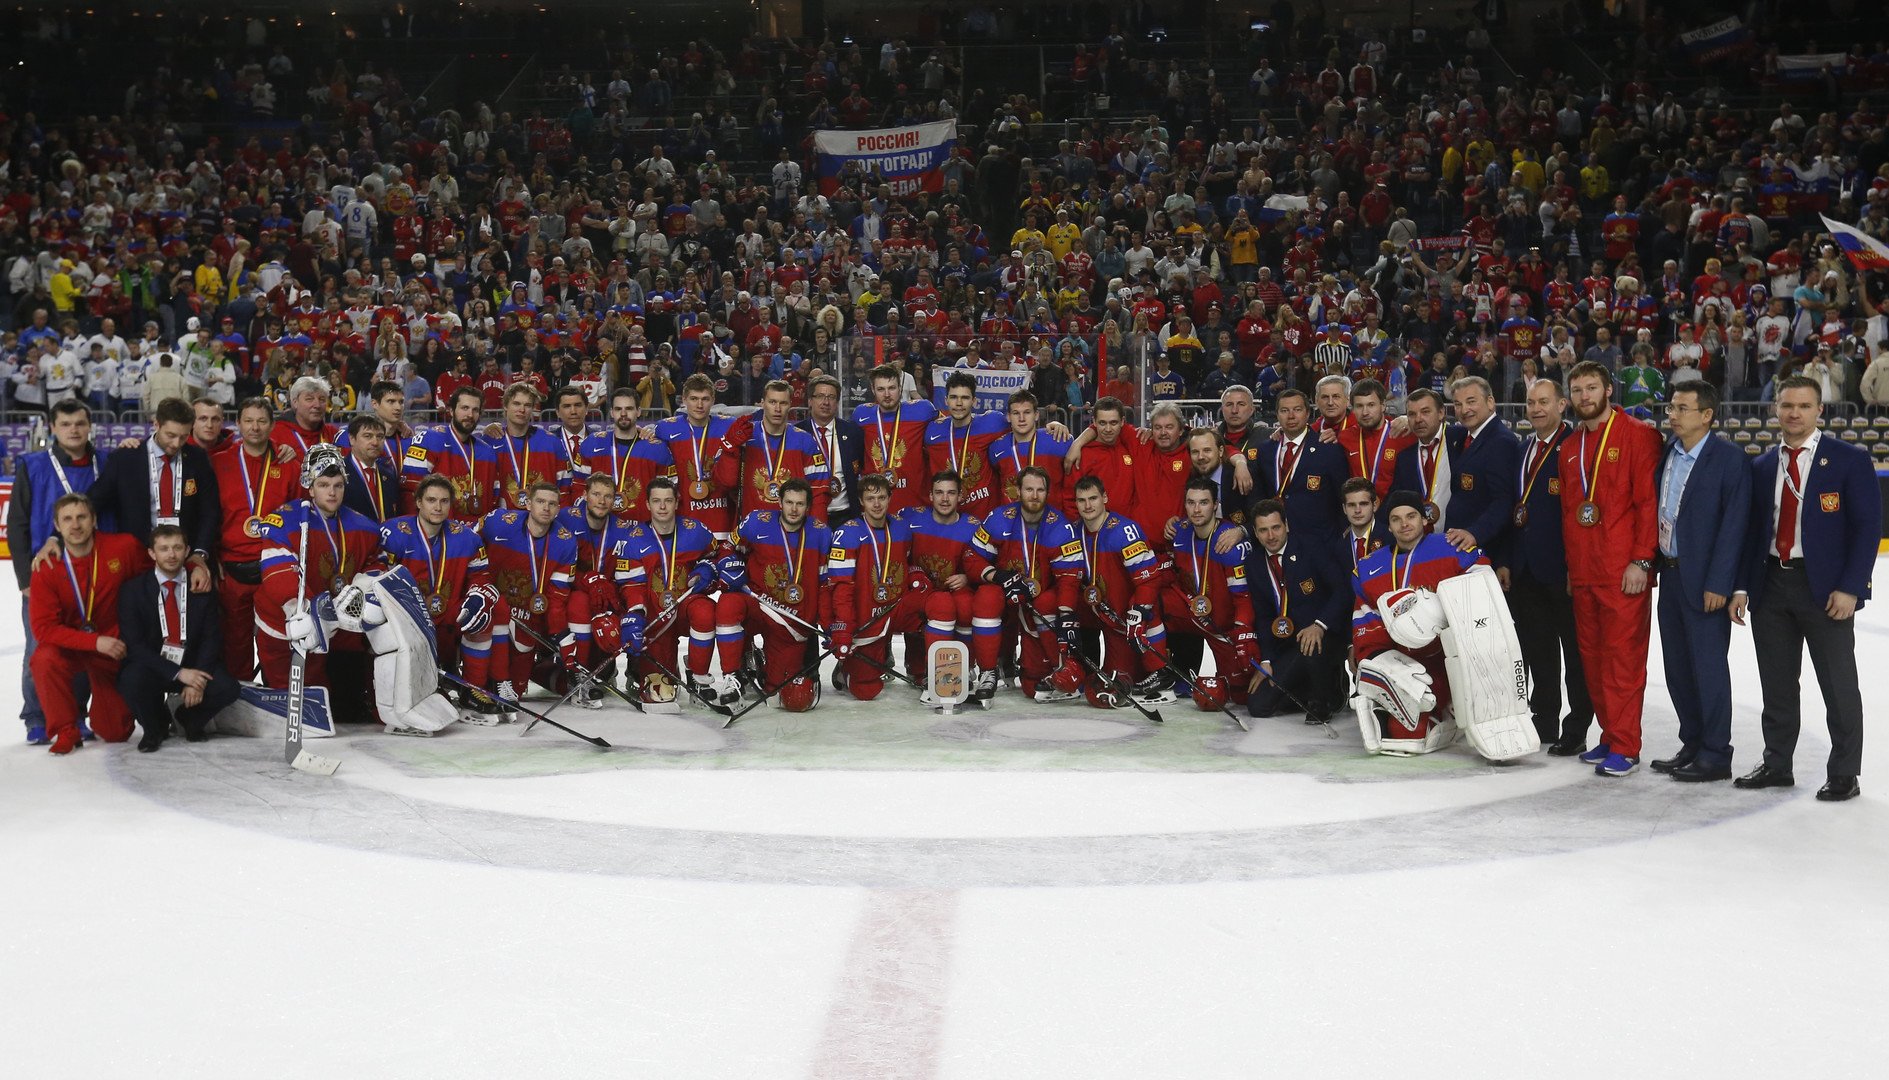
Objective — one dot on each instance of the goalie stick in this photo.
(1037, 621)
(292, 750)
(492, 699)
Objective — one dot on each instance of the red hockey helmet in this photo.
(1102, 695)
(1067, 678)
(801, 695)
(606, 632)
(1210, 693)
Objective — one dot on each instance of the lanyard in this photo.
(372, 483)
(1531, 469)
(60, 471)
(794, 555)
(878, 554)
(540, 568)
(181, 593)
(177, 485)
(258, 490)
(434, 568)
(1377, 459)
(340, 549)
(87, 598)
(1589, 480)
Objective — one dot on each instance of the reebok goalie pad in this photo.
(1488, 681)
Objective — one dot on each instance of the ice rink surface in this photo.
(875, 891)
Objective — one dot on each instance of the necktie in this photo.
(1467, 440)
(173, 619)
(1787, 506)
(1285, 467)
(1361, 552)
(1278, 570)
(166, 491)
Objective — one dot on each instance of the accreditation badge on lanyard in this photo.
(174, 653)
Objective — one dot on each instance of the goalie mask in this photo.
(322, 459)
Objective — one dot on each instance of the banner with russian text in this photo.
(994, 386)
(909, 159)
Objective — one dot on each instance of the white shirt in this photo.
(156, 458)
(828, 436)
(1806, 460)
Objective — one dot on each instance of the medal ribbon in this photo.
(90, 596)
(951, 442)
(878, 556)
(668, 556)
(1017, 461)
(1280, 595)
(540, 569)
(1377, 459)
(619, 462)
(768, 459)
(1532, 471)
(794, 555)
(1195, 550)
(258, 491)
(885, 448)
(372, 483)
(511, 451)
(1590, 480)
(464, 453)
(433, 568)
(340, 549)
(1427, 469)
(699, 444)
(1279, 462)
(1410, 560)
(1088, 554)
(1029, 549)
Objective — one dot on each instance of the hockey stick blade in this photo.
(490, 698)
(812, 668)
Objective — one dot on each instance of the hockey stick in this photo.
(786, 612)
(580, 676)
(1037, 622)
(811, 669)
(1213, 635)
(492, 699)
(292, 751)
(687, 687)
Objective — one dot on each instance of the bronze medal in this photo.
(1202, 606)
(1282, 627)
(1521, 516)
(1431, 512)
(882, 594)
(523, 497)
(538, 605)
(340, 583)
(698, 490)
(792, 593)
(621, 504)
(774, 493)
(436, 605)
(1093, 595)
(86, 626)
(664, 599)
(253, 528)
(1589, 514)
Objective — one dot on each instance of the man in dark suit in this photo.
(1816, 520)
(1704, 512)
(1484, 457)
(173, 645)
(841, 442)
(1303, 473)
(372, 489)
(1425, 467)
(1301, 610)
(164, 481)
(1534, 575)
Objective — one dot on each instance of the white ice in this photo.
(873, 891)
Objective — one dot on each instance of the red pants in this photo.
(785, 644)
(239, 627)
(1041, 652)
(1614, 632)
(56, 669)
(872, 642)
(697, 615)
(470, 657)
(1120, 656)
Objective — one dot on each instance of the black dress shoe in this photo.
(1838, 789)
(151, 741)
(1678, 761)
(1765, 776)
(1568, 747)
(1696, 772)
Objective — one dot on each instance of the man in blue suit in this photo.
(1304, 474)
(1534, 574)
(841, 442)
(1425, 467)
(1816, 519)
(1484, 455)
(1704, 513)
(1301, 610)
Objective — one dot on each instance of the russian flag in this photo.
(1865, 251)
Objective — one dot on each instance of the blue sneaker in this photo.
(1617, 765)
(36, 735)
(1597, 755)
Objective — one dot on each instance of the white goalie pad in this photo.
(1396, 707)
(261, 713)
(1488, 681)
(406, 666)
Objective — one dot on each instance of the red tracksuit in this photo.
(1374, 454)
(66, 649)
(1613, 629)
(249, 488)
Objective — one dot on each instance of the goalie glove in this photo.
(349, 603)
(304, 631)
(475, 611)
(840, 639)
(631, 632)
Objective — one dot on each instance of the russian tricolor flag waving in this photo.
(1865, 251)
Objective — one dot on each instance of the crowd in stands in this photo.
(1340, 208)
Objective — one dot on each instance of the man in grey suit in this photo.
(1704, 512)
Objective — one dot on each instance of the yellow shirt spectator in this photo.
(1595, 182)
(1061, 238)
(64, 291)
(1026, 233)
(209, 281)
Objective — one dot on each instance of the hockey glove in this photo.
(840, 639)
(568, 652)
(1247, 644)
(1014, 585)
(633, 628)
(733, 573)
(738, 435)
(702, 577)
(475, 611)
(1067, 630)
(917, 581)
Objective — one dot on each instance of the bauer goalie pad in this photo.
(406, 665)
(261, 713)
(1488, 681)
(1396, 707)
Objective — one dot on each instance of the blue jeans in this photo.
(30, 712)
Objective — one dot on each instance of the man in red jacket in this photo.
(74, 610)
(1610, 518)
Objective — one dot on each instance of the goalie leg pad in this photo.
(1488, 680)
(406, 670)
(1396, 707)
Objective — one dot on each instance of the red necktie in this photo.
(166, 491)
(1285, 468)
(1467, 439)
(1787, 506)
(1278, 571)
(173, 619)
(1361, 552)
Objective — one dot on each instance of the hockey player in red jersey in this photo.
(877, 592)
(676, 557)
(1026, 446)
(1121, 595)
(692, 439)
(602, 615)
(447, 560)
(783, 554)
(959, 442)
(941, 535)
(758, 458)
(1208, 601)
(895, 437)
(532, 556)
(622, 454)
(525, 454)
(457, 453)
(1026, 553)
